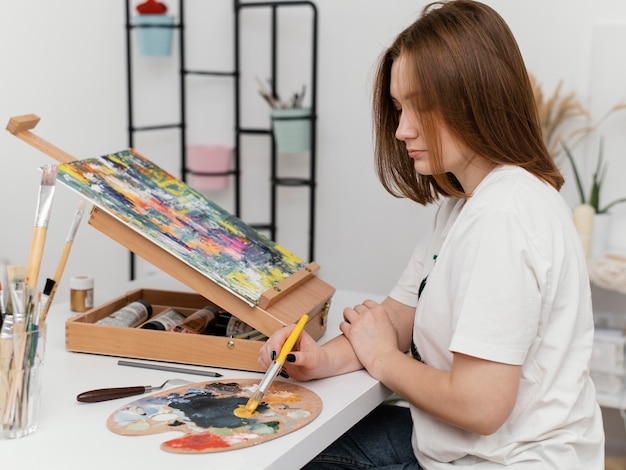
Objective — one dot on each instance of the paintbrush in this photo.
(42, 217)
(267, 94)
(44, 303)
(6, 352)
(276, 366)
(3, 310)
(16, 274)
(19, 295)
(52, 284)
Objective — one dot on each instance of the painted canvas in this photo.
(182, 221)
(205, 413)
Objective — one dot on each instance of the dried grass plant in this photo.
(564, 119)
(565, 122)
(557, 113)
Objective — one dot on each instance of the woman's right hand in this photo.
(306, 360)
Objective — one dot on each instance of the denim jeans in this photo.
(381, 440)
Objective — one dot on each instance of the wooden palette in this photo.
(204, 412)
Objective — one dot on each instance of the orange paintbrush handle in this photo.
(35, 255)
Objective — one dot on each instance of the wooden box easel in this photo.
(281, 305)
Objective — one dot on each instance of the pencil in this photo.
(182, 370)
(42, 217)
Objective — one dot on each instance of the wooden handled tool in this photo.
(104, 394)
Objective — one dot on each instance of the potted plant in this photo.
(291, 122)
(565, 122)
(592, 218)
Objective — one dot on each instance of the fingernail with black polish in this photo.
(273, 355)
(284, 374)
(291, 357)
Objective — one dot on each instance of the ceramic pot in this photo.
(292, 129)
(154, 34)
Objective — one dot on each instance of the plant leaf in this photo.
(579, 185)
(608, 206)
(594, 196)
(597, 179)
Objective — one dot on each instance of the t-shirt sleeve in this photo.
(406, 289)
(497, 278)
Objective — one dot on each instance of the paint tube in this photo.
(231, 326)
(165, 321)
(236, 327)
(131, 315)
(200, 322)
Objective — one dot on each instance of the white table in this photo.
(74, 436)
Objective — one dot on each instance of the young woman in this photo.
(495, 308)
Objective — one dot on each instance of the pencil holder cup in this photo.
(21, 360)
(154, 34)
(291, 128)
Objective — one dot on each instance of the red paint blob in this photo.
(198, 442)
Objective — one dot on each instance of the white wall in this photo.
(65, 62)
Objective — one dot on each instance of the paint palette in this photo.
(205, 413)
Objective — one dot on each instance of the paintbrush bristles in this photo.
(76, 222)
(16, 274)
(49, 176)
(46, 196)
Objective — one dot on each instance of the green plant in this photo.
(596, 181)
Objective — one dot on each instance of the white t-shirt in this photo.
(509, 284)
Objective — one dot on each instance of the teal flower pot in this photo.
(154, 34)
(292, 129)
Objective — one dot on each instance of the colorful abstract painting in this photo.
(182, 221)
(205, 412)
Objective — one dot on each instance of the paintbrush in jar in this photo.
(16, 274)
(40, 230)
(52, 284)
(20, 303)
(3, 310)
(6, 354)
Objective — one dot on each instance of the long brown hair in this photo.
(471, 76)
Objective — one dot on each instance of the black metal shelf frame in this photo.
(239, 131)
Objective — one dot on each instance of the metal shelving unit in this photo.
(180, 123)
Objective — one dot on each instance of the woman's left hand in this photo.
(370, 332)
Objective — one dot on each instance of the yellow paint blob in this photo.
(243, 411)
(280, 397)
